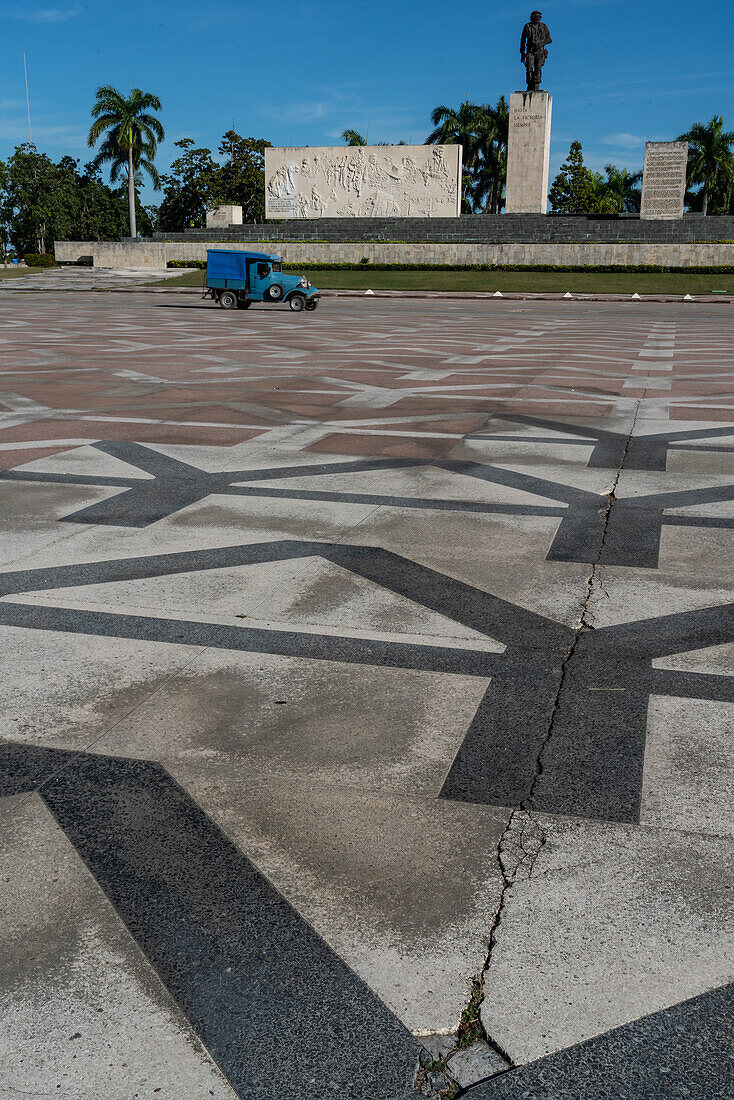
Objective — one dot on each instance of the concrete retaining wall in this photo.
(155, 254)
(479, 229)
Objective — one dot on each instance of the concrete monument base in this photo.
(220, 217)
(528, 153)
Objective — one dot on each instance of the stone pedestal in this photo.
(664, 179)
(528, 153)
(219, 217)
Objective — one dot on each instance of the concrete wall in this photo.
(368, 181)
(155, 254)
(479, 229)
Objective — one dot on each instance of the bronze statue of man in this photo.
(535, 37)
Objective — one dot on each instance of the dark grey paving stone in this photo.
(281, 1014)
(686, 1051)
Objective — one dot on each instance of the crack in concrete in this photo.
(523, 838)
(585, 619)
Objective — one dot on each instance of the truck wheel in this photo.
(244, 303)
(275, 292)
(228, 299)
(297, 302)
(311, 305)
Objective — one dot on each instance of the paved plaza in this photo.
(364, 671)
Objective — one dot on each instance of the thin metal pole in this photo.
(27, 100)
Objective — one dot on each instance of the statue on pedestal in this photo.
(535, 37)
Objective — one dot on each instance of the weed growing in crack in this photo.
(470, 1026)
(434, 1080)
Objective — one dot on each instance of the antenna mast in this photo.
(27, 100)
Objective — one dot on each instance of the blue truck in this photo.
(237, 279)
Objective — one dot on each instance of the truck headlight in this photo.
(304, 281)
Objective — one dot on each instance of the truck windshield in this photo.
(276, 266)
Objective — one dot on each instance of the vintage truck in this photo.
(237, 279)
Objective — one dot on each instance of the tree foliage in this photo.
(711, 164)
(242, 175)
(196, 181)
(42, 201)
(189, 187)
(482, 130)
(575, 188)
(130, 136)
(353, 137)
(619, 192)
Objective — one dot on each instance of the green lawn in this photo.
(15, 271)
(489, 281)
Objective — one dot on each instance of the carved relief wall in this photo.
(381, 181)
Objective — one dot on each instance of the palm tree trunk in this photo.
(131, 192)
(705, 204)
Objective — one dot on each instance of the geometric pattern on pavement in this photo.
(145, 422)
(540, 711)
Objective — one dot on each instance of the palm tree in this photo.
(619, 192)
(459, 127)
(490, 172)
(710, 159)
(455, 127)
(131, 137)
(353, 137)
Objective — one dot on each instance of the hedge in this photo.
(653, 269)
(39, 259)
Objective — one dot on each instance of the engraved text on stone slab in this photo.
(664, 179)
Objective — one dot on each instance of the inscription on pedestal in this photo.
(528, 153)
(664, 179)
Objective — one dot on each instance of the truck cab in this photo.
(236, 279)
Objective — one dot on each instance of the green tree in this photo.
(482, 131)
(35, 199)
(711, 163)
(100, 212)
(489, 171)
(131, 135)
(41, 202)
(4, 223)
(353, 137)
(619, 192)
(241, 179)
(574, 189)
(459, 126)
(189, 187)
(197, 180)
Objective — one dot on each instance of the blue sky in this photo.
(621, 71)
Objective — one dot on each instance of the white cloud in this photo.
(624, 141)
(47, 135)
(44, 15)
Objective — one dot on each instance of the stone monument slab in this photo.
(664, 179)
(528, 153)
(363, 181)
(219, 217)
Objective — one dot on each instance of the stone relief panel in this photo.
(364, 181)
